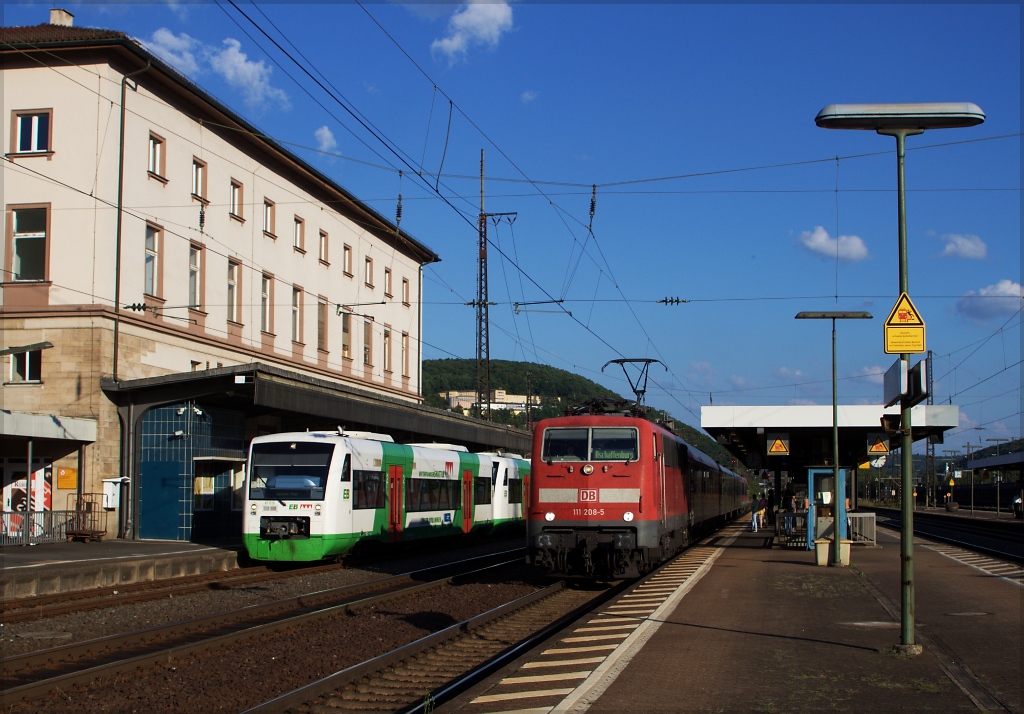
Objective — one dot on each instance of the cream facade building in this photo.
(163, 236)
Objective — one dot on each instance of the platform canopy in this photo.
(794, 437)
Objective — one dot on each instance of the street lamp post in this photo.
(836, 510)
(901, 121)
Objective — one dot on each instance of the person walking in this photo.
(762, 504)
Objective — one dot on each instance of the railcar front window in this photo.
(295, 471)
(614, 444)
(565, 444)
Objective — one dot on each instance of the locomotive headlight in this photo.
(587, 469)
(627, 516)
(549, 516)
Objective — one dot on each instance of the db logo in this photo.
(588, 495)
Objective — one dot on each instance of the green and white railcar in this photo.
(314, 495)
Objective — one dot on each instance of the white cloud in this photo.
(528, 96)
(998, 300)
(787, 374)
(701, 373)
(180, 51)
(252, 78)
(325, 140)
(473, 24)
(875, 375)
(850, 248)
(964, 246)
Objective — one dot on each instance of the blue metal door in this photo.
(160, 495)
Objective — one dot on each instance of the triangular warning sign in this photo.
(904, 314)
(778, 447)
(879, 447)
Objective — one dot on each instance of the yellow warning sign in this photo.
(904, 328)
(951, 482)
(878, 445)
(779, 448)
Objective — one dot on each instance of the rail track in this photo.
(34, 675)
(1001, 539)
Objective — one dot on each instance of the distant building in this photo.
(500, 400)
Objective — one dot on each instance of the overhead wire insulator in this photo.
(202, 217)
(593, 206)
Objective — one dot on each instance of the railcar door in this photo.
(467, 501)
(394, 503)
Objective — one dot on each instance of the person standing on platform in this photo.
(762, 504)
(753, 512)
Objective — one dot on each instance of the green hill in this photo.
(556, 388)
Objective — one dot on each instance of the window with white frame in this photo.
(321, 324)
(152, 265)
(387, 349)
(323, 246)
(199, 179)
(387, 281)
(405, 291)
(156, 155)
(195, 276)
(27, 366)
(32, 132)
(233, 294)
(235, 199)
(28, 249)
(405, 354)
(346, 260)
(368, 272)
(268, 217)
(296, 314)
(299, 234)
(266, 301)
(368, 343)
(346, 334)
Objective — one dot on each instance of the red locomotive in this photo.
(613, 494)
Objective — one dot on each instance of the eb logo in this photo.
(588, 495)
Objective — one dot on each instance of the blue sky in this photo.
(696, 124)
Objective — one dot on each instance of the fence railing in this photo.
(862, 528)
(791, 529)
(50, 526)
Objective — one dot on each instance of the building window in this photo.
(368, 272)
(27, 366)
(152, 269)
(321, 325)
(405, 291)
(299, 235)
(368, 343)
(296, 314)
(346, 335)
(323, 246)
(236, 199)
(157, 165)
(29, 244)
(405, 354)
(233, 291)
(346, 260)
(387, 281)
(266, 303)
(268, 218)
(195, 276)
(199, 179)
(387, 349)
(32, 132)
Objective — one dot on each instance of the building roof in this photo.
(45, 39)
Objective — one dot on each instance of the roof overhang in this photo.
(47, 427)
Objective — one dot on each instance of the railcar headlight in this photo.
(627, 516)
(252, 509)
(587, 469)
(319, 508)
(549, 516)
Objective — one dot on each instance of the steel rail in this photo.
(923, 527)
(37, 689)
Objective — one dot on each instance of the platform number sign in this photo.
(588, 495)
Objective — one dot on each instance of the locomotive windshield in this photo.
(289, 471)
(596, 444)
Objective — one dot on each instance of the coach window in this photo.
(368, 490)
(482, 491)
(346, 468)
(515, 490)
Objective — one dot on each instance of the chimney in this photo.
(61, 17)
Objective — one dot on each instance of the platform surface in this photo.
(745, 627)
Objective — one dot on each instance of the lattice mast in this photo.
(483, 345)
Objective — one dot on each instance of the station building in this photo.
(175, 283)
